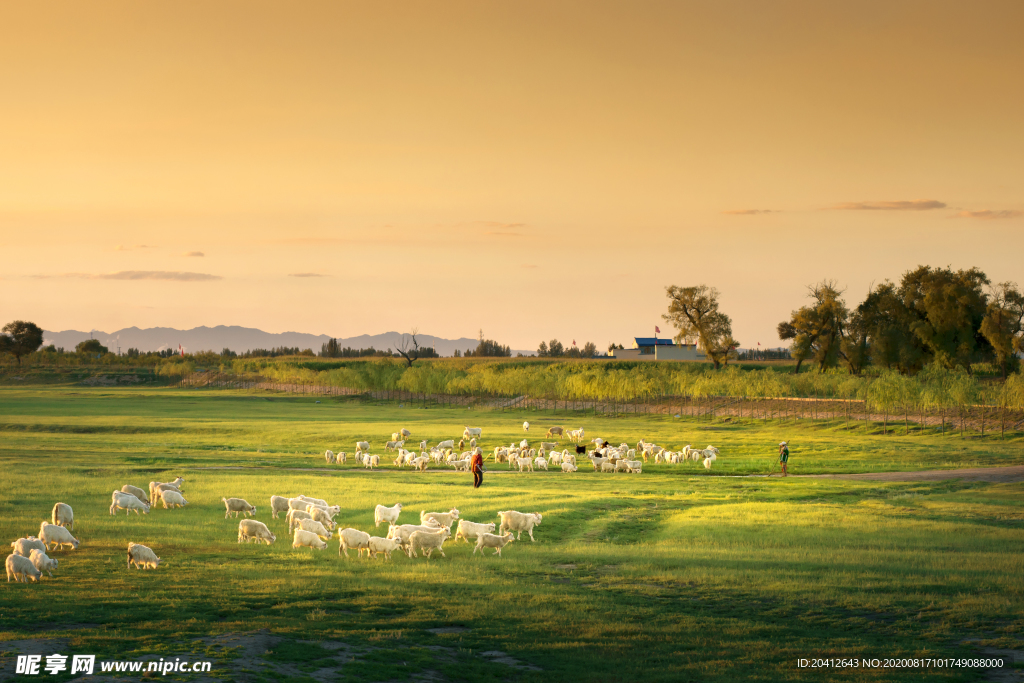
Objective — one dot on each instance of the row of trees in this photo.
(555, 349)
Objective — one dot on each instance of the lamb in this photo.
(541, 463)
(519, 521)
(237, 505)
(137, 492)
(445, 519)
(362, 446)
(172, 499)
(353, 538)
(63, 515)
(22, 569)
(492, 541)
(294, 516)
(526, 426)
(555, 459)
(25, 546)
(371, 461)
(307, 539)
(142, 557)
(252, 530)
(43, 562)
(428, 542)
(526, 462)
(57, 536)
(471, 530)
(568, 467)
(607, 466)
(386, 514)
(278, 504)
(555, 431)
(126, 502)
(450, 443)
(404, 531)
(386, 546)
(314, 526)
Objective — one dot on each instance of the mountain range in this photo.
(241, 339)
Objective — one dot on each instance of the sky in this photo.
(534, 170)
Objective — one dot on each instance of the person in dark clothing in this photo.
(476, 464)
(784, 457)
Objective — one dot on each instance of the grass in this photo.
(671, 575)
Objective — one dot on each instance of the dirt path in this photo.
(995, 474)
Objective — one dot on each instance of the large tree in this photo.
(20, 338)
(887, 322)
(947, 308)
(693, 311)
(1003, 325)
(818, 330)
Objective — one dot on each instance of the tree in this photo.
(20, 338)
(694, 312)
(947, 309)
(409, 350)
(542, 350)
(488, 348)
(886, 322)
(817, 331)
(1003, 325)
(589, 350)
(555, 349)
(332, 349)
(613, 346)
(91, 346)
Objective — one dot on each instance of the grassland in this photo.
(671, 575)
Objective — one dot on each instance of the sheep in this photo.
(492, 541)
(142, 557)
(707, 462)
(329, 456)
(526, 426)
(390, 445)
(359, 457)
(428, 542)
(252, 530)
(524, 444)
(472, 443)
(404, 433)
(555, 431)
(137, 492)
(621, 466)
(420, 463)
(568, 457)
(450, 443)
(307, 539)
(568, 467)
(362, 446)
(57, 536)
(597, 462)
(519, 521)
(340, 457)
(25, 546)
(371, 461)
(178, 481)
(353, 538)
(404, 531)
(43, 562)
(445, 519)
(386, 514)
(294, 516)
(64, 516)
(555, 459)
(460, 465)
(541, 463)
(237, 505)
(172, 499)
(155, 487)
(126, 502)
(319, 501)
(549, 445)
(314, 526)
(423, 445)
(607, 466)
(635, 466)
(395, 436)
(471, 530)
(22, 569)
(386, 546)
(471, 432)
(526, 462)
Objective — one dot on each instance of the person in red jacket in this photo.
(476, 464)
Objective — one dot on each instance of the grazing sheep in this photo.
(395, 436)
(299, 503)
(126, 502)
(252, 530)
(354, 538)
(526, 463)
(43, 562)
(21, 569)
(172, 499)
(555, 431)
(568, 467)
(64, 516)
(314, 526)
(278, 504)
(421, 463)
(386, 514)
(25, 546)
(471, 432)
(318, 501)
(329, 456)
(492, 541)
(404, 531)
(621, 466)
(362, 446)
(386, 546)
(371, 461)
(428, 542)
(142, 557)
(293, 518)
(541, 463)
(236, 505)
(519, 521)
(526, 426)
(607, 466)
(597, 463)
(307, 539)
(423, 445)
(450, 443)
(445, 519)
(155, 487)
(322, 516)
(137, 492)
(56, 536)
(635, 466)
(470, 530)
(404, 433)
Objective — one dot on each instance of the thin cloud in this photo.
(196, 254)
(306, 275)
(748, 212)
(315, 241)
(175, 275)
(989, 215)
(503, 233)
(122, 247)
(502, 226)
(912, 205)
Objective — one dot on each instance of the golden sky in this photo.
(535, 169)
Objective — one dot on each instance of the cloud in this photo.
(121, 247)
(503, 233)
(912, 205)
(502, 226)
(748, 212)
(306, 275)
(174, 275)
(197, 254)
(988, 214)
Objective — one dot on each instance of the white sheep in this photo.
(445, 519)
(137, 492)
(353, 538)
(142, 557)
(428, 542)
(155, 487)
(371, 461)
(127, 502)
(236, 505)
(607, 466)
(56, 536)
(404, 433)
(421, 463)
(293, 518)
(386, 514)
(450, 443)
(621, 466)
(322, 516)
(43, 562)
(252, 530)
(21, 569)
(63, 515)
(25, 546)
(319, 501)
(362, 446)
(404, 531)
(526, 426)
(519, 521)
(395, 436)
(541, 464)
(329, 456)
(278, 504)
(525, 463)
(423, 445)
(378, 545)
(568, 467)
(307, 539)
(340, 457)
(314, 526)
(471, 432)
(470, 530)
(172, 499)
(635, 466)
(492, 541)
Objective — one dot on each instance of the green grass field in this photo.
(670, 575)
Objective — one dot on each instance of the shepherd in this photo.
(476, 464)
(784, 457)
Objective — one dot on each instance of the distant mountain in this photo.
(241, 339)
